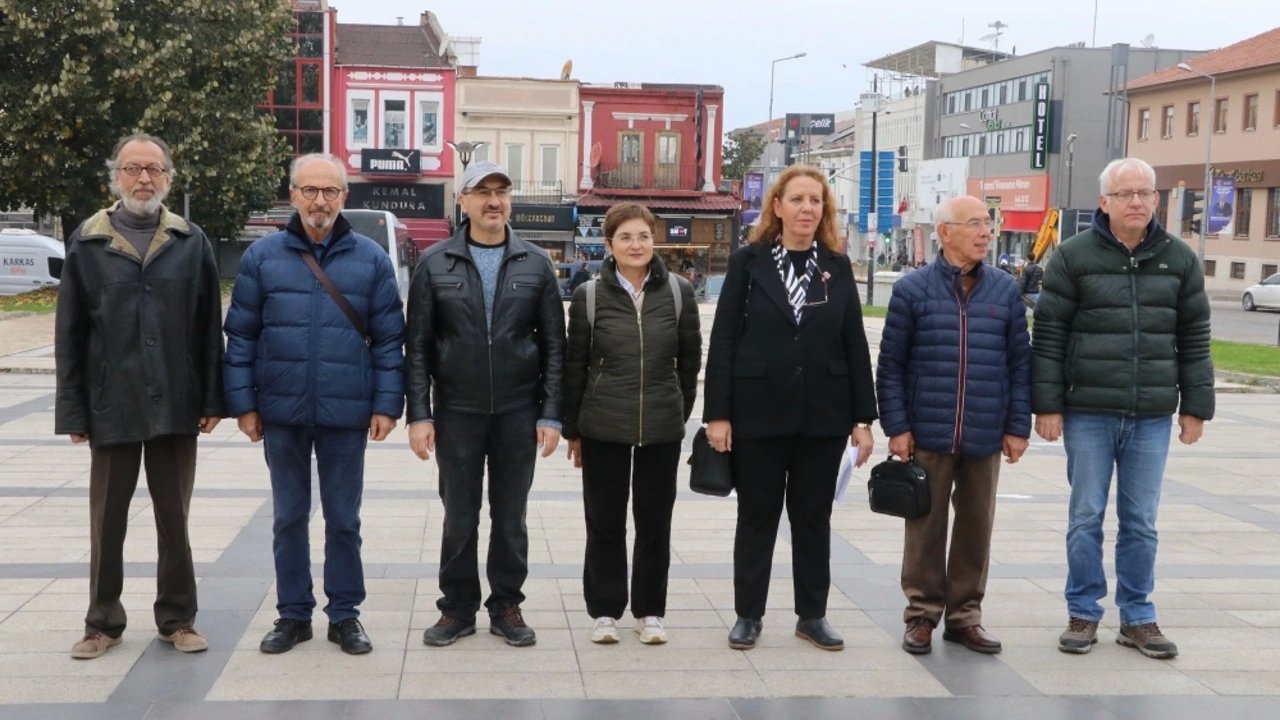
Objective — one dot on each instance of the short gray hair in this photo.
(301, 160)
(942, 214)
(1114, 168)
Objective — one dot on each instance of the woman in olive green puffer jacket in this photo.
(631, 375)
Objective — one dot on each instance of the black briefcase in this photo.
(899, 488)
(711, 471)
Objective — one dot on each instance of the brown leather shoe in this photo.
(974, 638)
(918, 639)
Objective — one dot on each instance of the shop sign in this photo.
(389, 161)
(406, 200)
(1040, 128)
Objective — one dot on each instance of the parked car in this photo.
(1264, 294)
(387, 230)
(28, 261)
(711, 288)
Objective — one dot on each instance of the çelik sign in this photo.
(811, 123)
(1040, 128)
(387, 161)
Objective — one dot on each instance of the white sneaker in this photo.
(649, 628)
(605, 632)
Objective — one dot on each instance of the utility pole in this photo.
(872, 242)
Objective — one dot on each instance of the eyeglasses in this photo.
(154, 171)
(628, 239)
(974, 223)
(486, 193)
(311, 191)
(1127, 195)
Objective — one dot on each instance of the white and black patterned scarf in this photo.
(797, 285)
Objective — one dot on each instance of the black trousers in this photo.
(113, 477)
(609, 471)
(799, 472)
(464, 443)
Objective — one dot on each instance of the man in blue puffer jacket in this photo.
(954, 388)
(300, 374)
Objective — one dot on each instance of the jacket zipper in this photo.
(963, 301)
(1133, 288)
(640, 400)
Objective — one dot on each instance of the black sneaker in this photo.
(510, 625)
(285, 635)
(448, 629)
(351, 636)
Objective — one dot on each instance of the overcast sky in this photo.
(731, 44)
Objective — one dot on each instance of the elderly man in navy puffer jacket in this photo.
(301, 375)
(954, 388)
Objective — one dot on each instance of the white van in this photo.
(384, 228)
(28, 261)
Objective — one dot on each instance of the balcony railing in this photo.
(664, 176)
(537, 192)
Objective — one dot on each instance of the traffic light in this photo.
(1190, 212)
(902, 158)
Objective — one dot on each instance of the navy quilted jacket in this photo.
(956, 373)
(293, 355)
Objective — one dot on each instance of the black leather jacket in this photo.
(472, 368)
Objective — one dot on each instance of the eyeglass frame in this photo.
(973, 223)
(311, 192)
(152, 171)
(1143, 195)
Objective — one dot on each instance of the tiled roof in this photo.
(1255, 52)
(708, 202)
(401, 46)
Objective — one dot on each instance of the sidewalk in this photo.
(1218, 593)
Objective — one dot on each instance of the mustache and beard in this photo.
(142, 207)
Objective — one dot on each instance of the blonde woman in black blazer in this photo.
(788, 383)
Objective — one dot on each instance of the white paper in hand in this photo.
(846, 472)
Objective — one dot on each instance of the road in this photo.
(1231, 322)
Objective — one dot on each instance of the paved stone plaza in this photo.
(1218, 593)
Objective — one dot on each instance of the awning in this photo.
(710, 202)
(1021, 220)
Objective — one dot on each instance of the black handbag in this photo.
(711, 471)
(899, 488)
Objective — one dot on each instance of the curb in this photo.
(1262, 383)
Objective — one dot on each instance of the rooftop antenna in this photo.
(994, 37)
(1149, 40)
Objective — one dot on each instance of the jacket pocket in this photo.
(447, 285)
(755, 369)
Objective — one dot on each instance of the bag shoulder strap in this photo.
(675, 294)
(591, 304)
(338, 298)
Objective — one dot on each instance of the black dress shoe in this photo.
(351, 636)
(818, 631)
(744, 634)
(285, 635)
(975, 638)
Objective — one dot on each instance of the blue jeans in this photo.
(1135, 448)
(340, 465)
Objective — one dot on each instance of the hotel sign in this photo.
(1040, 128)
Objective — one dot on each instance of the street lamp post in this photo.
(465, 151)
(1071, 161)
(1208, 152)
(769, 128)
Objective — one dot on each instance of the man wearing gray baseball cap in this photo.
(486, 334)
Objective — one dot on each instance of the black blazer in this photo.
(771, 377)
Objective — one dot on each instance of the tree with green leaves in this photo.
(742, 148)
(77, 75)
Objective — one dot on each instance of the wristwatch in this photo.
(864, 426)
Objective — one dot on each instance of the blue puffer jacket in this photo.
(957, 374)
(293, 355)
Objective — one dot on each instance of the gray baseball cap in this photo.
(478, 171)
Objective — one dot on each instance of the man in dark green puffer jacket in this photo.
(1120, 343)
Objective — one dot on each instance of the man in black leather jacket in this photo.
(486, 334)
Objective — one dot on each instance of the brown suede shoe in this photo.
(918, 639)
(974, 638)
(93, 644)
